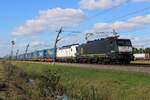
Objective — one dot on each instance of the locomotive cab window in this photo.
(123, 42)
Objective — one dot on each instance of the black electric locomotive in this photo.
(107, 50)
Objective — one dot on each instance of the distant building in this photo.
(142, 56)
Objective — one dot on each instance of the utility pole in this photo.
(12, 48)
(115, 33)
(26, 51)
(17, 54)
(56, 41)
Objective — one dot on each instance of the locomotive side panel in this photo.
(98, 47)
(93, 51)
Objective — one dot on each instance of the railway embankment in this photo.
(36, 81)
(18, 84)
(128, 68)
(92, 83)
(136, 66)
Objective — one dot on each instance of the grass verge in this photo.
(141, 62)
(95, 84)
(76, 83)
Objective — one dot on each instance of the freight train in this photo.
(105, 51)
(45, 55)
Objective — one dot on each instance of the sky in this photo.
(36, 22)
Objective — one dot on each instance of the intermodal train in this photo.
(106, 51)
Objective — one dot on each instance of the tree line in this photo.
(141, 50)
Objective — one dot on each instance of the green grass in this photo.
(141, 62)
(107, 84)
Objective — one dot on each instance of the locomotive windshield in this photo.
(123, 42)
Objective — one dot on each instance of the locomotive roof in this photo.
(108, 38)
(68, 46)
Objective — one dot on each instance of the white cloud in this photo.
(51, 20)
(138, 41)
(38, 43)
(140, 0)
(130, 24)
(105, 4)
(72, 39)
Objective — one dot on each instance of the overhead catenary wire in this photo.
(120, 17)
(105, 11)
(139, 29)
(102, 13)
(97, 14)
(128, 14)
